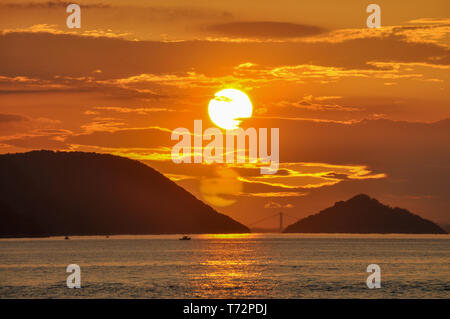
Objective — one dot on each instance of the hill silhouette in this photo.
(45, 193)
(445, 227)
(362, 214)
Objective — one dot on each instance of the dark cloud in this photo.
(82, 86)
(8, 118)
(45, 55)
(128, 12)
(125, 138)
(36, 142)
(43, 90)
(264, 29)
(379, 143)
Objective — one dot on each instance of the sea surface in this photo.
(227, 266)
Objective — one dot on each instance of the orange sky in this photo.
(359, 110)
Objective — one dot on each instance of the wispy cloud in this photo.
(264, 29)
(53, 29)
(276, 205)
(138, 110)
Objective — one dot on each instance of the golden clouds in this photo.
(312, 175)
(53, 29)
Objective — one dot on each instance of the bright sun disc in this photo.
(227, 106)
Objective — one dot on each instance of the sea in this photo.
(227, 266)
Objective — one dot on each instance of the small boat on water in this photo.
(185, 238)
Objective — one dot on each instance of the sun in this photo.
(227, 106)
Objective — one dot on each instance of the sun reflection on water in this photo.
(244, 235)
(231, 266)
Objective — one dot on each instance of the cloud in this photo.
(69, 84)
(419, 31)
(8, 118)
(264, 29)
(18, 127)
(137, 110)
(54, 55)
(272, 204)
(156, 86)
(107, 124)
(37, 142)
(319, 103)
(53, 29)
(107, 133)
(132, 20)
(274, 194)
(312, 175)
(150, 12)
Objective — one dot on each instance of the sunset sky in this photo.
(359, 110)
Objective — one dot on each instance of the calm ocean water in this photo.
(227, 266)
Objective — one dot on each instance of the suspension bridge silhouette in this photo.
(280, 215)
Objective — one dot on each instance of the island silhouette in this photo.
(46, 193)
(363, 214)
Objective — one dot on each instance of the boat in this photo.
(185, 238)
